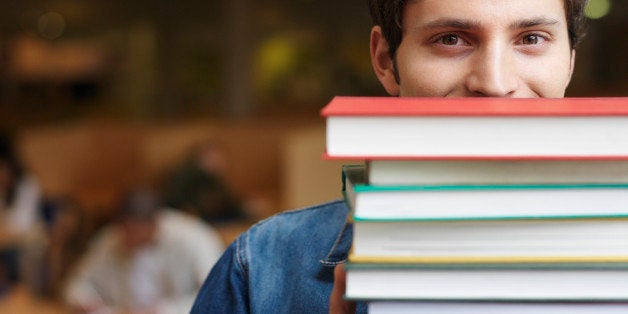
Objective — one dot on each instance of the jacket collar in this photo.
(340, 250)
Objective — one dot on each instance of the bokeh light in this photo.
(276, 58)
(597, 8)
(51, 25)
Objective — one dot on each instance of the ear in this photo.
(572, 64)
(383, 64)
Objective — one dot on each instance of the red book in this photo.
(477, 128)
(408, 106)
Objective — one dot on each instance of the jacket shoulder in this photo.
(308, 233)
(318, 220)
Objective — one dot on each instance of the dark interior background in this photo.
(161, 59)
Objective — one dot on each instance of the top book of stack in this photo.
(476, 128)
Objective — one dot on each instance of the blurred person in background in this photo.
(20, 201)
(149, 260)
(197, 186)
(68, 235)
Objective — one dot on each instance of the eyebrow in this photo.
(471, 24)
(538, 21)
(451, 22)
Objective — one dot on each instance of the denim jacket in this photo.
(284, 264)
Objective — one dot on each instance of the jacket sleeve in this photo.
(226, 288)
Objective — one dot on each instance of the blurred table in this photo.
(20, 301)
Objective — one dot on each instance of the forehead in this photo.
(485, 12)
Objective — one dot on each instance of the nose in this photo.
(493, 72)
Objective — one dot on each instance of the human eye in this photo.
(533, 42)
(450, 39)
(532, 39)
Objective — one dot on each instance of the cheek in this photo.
(547, 77)
(429, 78)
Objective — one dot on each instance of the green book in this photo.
(482, 202)
(486, 223)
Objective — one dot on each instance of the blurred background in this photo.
(102, 95)
(64, 59)
(147, 60)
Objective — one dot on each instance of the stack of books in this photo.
(485, 205)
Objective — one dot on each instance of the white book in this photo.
(477, 284)
(409, 307)
(495, 171)
(536, 240)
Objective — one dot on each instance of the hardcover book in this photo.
(395, 127)
(507, 201)
(408, 282)
(490, 241)
(413, 307)
(495, 171)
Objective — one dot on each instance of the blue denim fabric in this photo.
(284, 264)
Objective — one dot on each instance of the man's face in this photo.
(499, 48)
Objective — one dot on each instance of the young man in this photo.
(445, 48)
